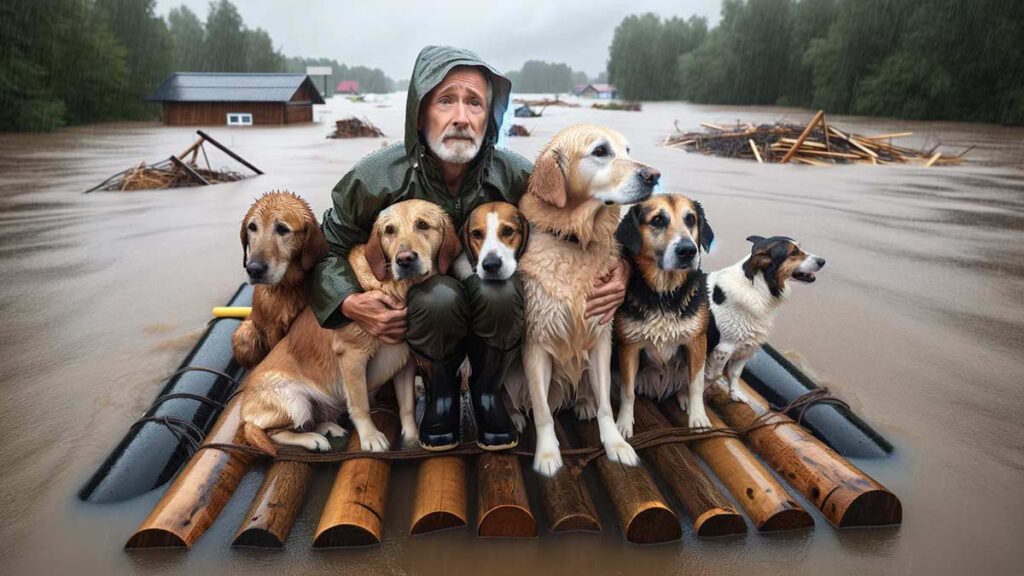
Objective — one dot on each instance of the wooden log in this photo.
(354, 512)
(757, 153)
(192, 148)
(767, 502)
(200, 492)
(566, 500)
(188, 170)
(803, 136)
(503, 506)
(227, 151)
(276, 505)
(706, 505)
(933, 159)
(841, 491)
(440, 495)
(643, 515)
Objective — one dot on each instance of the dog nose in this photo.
(649, 175)
(256, 269)
(406, 258)
(686, 250)
(820, 261)
(491, 263)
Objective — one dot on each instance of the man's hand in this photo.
(609, 292)
(379, 314)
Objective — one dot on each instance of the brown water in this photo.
(917, 321)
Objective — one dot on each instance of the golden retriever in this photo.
(315, 374)
(573, 200)
(661, 329)
(281, 242)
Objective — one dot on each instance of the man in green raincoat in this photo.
(453, 117)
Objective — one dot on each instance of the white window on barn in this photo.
(239, 119)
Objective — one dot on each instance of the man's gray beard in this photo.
(456, 151)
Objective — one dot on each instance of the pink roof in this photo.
(603, 87)
(348, 86)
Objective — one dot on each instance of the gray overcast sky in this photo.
(388, 34)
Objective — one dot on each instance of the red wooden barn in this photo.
(348, 87)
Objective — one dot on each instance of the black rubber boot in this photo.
(442, 414)
(494, 427)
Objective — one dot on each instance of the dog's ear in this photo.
(314, 246)
(450, 246)
(525, 227)
(245, 242)
(466, 246)
(628, 233)
(755, 239)
(759, 260)
(707, 235)
(548, 179)
(375, 256)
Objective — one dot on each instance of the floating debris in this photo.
(817, 144)
(525, 111)
(627, 106)
(175, 172)
(355, 128)
(518, 130)
(546, 102)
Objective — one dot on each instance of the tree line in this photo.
(371, 80)
(921, 59)
(78, 61)
(537, 76)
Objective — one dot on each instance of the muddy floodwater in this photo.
(917, 321)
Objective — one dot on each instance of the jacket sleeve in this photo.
(346, 224)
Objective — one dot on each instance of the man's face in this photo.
(455, 115)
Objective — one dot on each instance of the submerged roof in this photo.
(232, 87)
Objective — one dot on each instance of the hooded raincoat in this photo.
(405, 171)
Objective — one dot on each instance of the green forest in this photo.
(920, 59)
(537, 76)
(65, 62)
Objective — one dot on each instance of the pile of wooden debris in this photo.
(176, 171)
(817, 144)
(353, 127)
(546, 102)
(627, 106)
(518, 130)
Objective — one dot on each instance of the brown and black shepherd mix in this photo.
(661, 328)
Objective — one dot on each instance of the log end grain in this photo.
(577, 523)
(791, 519)
(872, 508)
(156, 538)
(439, 520)
(345, 535)
(654, 525)
(719, 522)
(507, 522)
(257, 538)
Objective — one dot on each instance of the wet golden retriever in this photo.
(281, 242)
(573, 200)
(315, 374)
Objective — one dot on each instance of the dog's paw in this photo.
(684, 401)
(331, 430)
(738, 395)
(315, 442)
(625, 426)
(698, 419)
(373, 441)
(620, 451)
(585, 411)
(547, 462)
(410, 437)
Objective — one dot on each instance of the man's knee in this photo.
(437, 316)
(496, 310)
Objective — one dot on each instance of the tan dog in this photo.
(494, 237)
(315, 374)
(579, 180)
(661, 328)
(281, 242)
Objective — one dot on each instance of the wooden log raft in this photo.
(354, 512)
(440, 495)
(643, 515)
(504, 509)
(711, 512)
(767, 503)
(565, 499)
(200, 492)
(275, 506)
(842, 492)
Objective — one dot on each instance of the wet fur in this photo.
(315, 374)
(275, 306)
(567, 357)
(661, 328)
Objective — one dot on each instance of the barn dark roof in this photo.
(231, 87)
